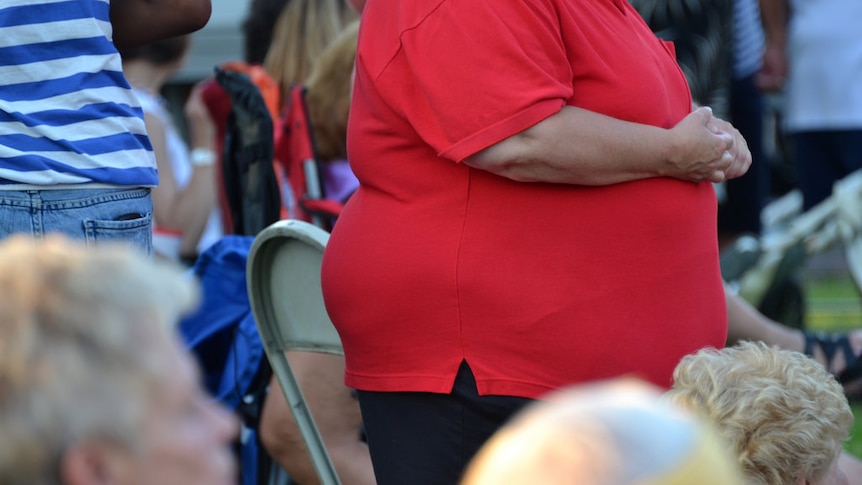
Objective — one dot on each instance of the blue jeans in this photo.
(95, 216)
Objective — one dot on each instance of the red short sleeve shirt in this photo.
(535, 285)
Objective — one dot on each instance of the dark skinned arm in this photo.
(138, 22)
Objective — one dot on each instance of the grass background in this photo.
(834, 303)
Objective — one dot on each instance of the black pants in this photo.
(749, 194)
(418, 438)
(823, 158)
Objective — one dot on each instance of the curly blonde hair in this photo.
(784, 413)
(82, 339)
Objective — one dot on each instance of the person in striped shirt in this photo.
(74, 153)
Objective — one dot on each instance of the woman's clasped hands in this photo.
(707, 148)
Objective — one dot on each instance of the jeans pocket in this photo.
(136, 231)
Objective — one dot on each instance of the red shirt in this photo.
(536, 285)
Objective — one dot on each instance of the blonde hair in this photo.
(82, 336)
(328, 95)
(783, 412)
(303, 30)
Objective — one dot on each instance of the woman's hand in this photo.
(706, 148)
(201, 128)
(772, 75)
(740, 154)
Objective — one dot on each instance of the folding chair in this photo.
(296, 151)
(283, 276)
(249, 192)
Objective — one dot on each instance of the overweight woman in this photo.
(535, 210)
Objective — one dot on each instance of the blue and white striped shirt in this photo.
(748, 38)
(68, 116)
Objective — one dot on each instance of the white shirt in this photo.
(824, 85)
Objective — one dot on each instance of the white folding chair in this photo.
(283, 275)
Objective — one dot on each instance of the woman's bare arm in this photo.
(187, 210)
(577, 146)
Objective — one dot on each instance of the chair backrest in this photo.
(249, 190)
(283, 275)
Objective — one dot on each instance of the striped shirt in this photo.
(748, 38)
(68, 117)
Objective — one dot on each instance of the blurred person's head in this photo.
(257, 28)
(782, 412)
(615, 432)
(95, 386)
(303, 30)
(328, 95)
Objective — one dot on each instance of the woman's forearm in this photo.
(744, 322)
(577, 146)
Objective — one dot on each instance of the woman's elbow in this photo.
(507, 159)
